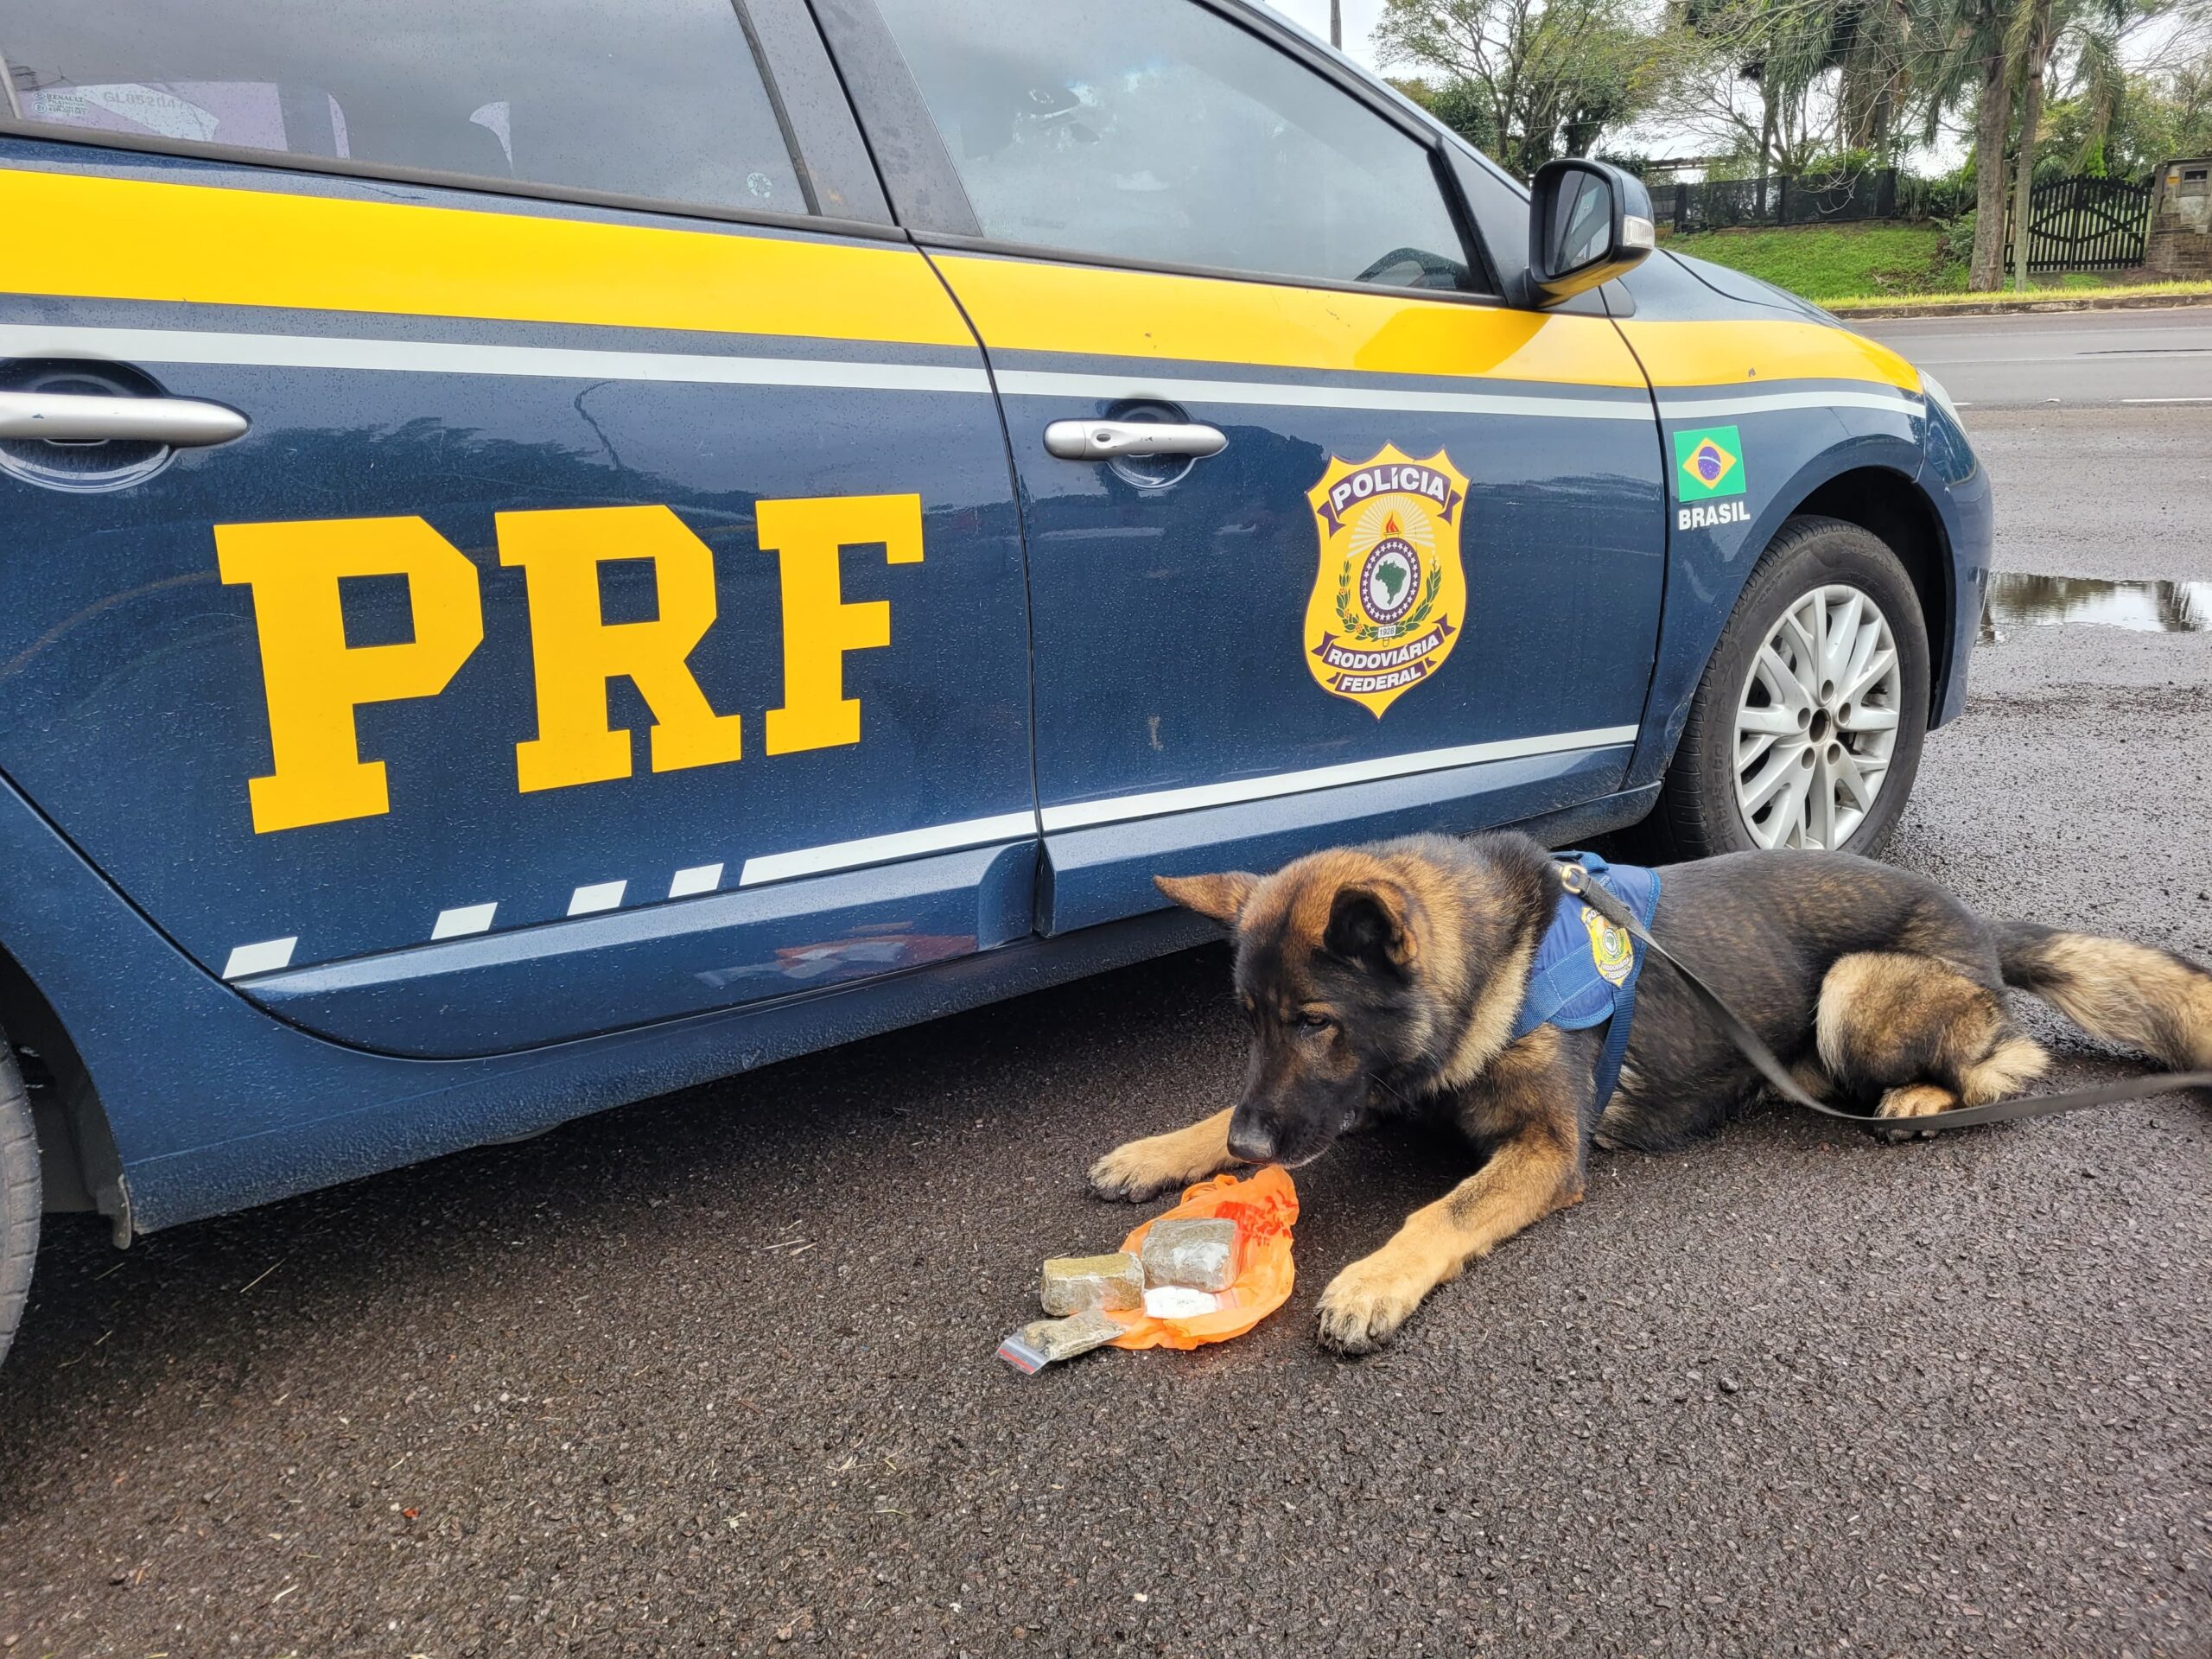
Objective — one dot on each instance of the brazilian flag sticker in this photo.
(1708, 462)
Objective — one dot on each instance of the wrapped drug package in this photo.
(1264, 1209)
(1209, 1270)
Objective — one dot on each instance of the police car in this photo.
(554, 549)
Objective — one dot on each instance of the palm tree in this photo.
(2001, 53)
(1961, 53)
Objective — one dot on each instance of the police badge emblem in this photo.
(1389, 598)
(1610, 947)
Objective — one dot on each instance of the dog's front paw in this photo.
(1366, 1303)
(1138, 1170)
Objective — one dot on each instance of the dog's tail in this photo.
(2133, 994)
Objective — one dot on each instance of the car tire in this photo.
(1775, 727)
(19, 1195)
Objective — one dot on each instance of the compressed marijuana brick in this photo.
(1042, 1342)
(1072, 1284)
(1198, 1252)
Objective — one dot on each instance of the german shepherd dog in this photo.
(1386, 979)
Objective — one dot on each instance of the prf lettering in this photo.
(314, 680)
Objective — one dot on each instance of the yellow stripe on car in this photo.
(136, 239)
(1752, 354)
(1038, 306)
(131, 239)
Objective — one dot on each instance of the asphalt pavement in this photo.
(2097, 426)
(2147, 358)
(714, 1374)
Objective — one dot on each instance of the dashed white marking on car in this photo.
(699, 878)
(599, 895)
(463, 918)
(264, 957)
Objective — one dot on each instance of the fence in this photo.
(2083, 223)
(1718, 204)
(2076, 224)
(1947, 198)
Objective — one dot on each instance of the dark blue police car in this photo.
(556, 549)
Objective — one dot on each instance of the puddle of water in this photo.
(2017, 600)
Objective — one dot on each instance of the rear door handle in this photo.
(68, 417)
(1104, 440)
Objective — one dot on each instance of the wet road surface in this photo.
(2116, 492)
(714, 1374)
(2149, 358)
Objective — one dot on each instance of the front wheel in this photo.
(1806, 729)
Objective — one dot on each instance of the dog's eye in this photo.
(1311, 1020)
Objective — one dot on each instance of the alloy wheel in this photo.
(1816, 720)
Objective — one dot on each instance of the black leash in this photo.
(1575, 880)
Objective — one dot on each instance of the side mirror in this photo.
(1588, 222)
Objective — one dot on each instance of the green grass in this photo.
(1837, 262)
(2079, 285)
(1851, 267)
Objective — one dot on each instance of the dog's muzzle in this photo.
(1250, 1143)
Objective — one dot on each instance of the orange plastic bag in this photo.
(1263, 1209)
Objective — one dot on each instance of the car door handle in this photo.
(1104, 440)
(68, 417)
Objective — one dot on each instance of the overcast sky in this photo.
(2145, 47)
(1359, 22)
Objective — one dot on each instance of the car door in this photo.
(522, 548)
(1382, 554)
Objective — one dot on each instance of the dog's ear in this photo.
(1371, 922)
(1221, 897)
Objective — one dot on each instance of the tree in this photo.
(1751, 77)
(1461, 106)
(2082, 119)
(2004, 53)
(2029, 41)
(2185, 100)
(1964, 58)
(1874, 47)
(1552, 75)
(2108, 119)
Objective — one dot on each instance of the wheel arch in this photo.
(1892, 507)
(77, 1161)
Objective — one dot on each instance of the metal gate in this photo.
(2083, 223)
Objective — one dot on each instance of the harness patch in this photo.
(1611, 949)
(1586, 968)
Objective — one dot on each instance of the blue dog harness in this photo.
(1586, 968)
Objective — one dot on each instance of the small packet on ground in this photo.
(1043, 1342)
(1179, 1302)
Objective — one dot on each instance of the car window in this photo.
(647, 97)
(1158, 131)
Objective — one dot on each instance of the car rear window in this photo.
(659, 99)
